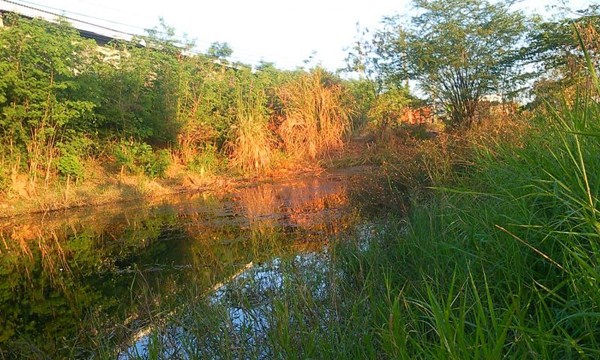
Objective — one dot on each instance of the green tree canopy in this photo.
(555, 51)
(458, 51)
(219, 50)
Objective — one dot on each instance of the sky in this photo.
(284, 32)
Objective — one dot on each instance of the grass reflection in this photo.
(88, 284)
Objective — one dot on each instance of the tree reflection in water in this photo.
(70, 282)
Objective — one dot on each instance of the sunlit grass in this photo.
(252, 144)
(502, 261)
(316, 117)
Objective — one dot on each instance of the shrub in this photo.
(205, 162)
(138, 158)
(362, 97)
(70, 163)
(387, 109)
(4, 180)
(70, 166)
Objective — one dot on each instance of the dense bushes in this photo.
(39, 102)
(140, 107)
(138, 158)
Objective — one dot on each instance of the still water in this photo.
(75, 282)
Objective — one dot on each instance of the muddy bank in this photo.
(121, 191)
(104, 204)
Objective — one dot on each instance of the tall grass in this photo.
(316, 116)
(252, 144)
(502, 261)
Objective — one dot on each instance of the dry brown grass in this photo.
(192, 140)
(251, 145)
(103, 185)
(315, 118)
(449, 151)
(413, 162)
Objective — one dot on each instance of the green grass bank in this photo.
(499, 260)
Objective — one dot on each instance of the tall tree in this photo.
(458, 51)
(555, 48)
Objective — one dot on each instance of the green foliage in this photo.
(139, 158)
(363, 96)
(457, 50)
(57, 89)
(140, 95)
(72, 157)
(556, 49)
(500, 262)
(70, 165)
(206, 162)
(40, 63)
(159, 164)
(554, 45)
(388, 108)
(4, 180)
(219, 50)
(206, 104)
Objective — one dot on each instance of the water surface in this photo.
(72, 282)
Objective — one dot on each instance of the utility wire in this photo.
(57, 13)
(24, 4)
(80, 14)
(192, 51)
(69, 18)
(142, 29)
(34, 6)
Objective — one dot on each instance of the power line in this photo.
(22, 3)
(80, 14)
(143, 29)
(178, 40)
(192, 51)
(69, 18)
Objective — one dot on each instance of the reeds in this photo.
(251, 145)
(315, 116)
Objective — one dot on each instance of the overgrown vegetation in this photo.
(499, 260)
(498, 256)
(67, 105)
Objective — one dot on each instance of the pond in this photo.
(74, 282)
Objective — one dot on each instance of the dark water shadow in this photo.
(71, 280)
